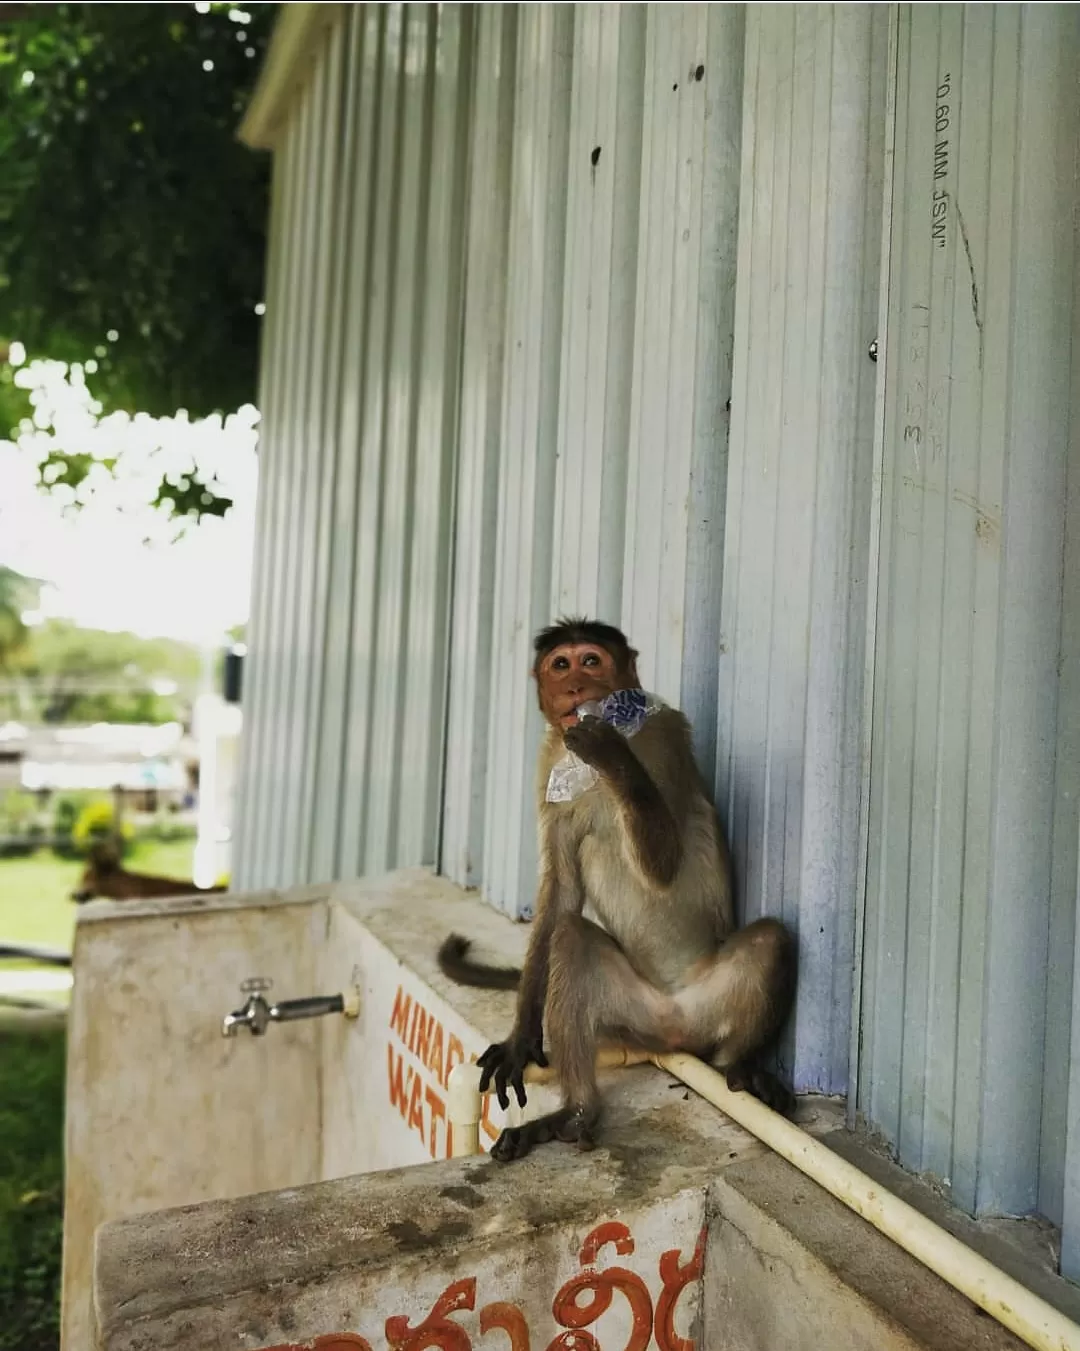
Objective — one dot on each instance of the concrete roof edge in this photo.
(299, 30)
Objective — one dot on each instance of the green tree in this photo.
(69, 674)
(17, 594)
(132, 221)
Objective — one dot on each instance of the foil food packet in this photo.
(626, 711)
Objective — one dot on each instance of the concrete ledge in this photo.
(785, 1267)
(195, 903)
(286, 1267)
(445, 1249)
(789, 1268)
(410, 912)
(1027, 1249)
(159, 1104)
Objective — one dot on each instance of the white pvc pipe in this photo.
(1032, 1319)
(464, 1108)
(464, 1104)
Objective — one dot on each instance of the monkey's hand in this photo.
(598, 744)
(505, 1063)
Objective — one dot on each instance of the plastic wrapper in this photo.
(626, 711)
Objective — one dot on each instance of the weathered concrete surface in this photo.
(352, 1253)
(384, 1095)
(161, 1109)
(1028, 1249)
(789, 1268)
(785, 1267)
(412, 911)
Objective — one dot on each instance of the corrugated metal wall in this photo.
(342, 770)
(798, 507)
(971, 886)
(526, 464)
(295, 454)
(571, 308)
(618, 321)
(676, 477)
(477, 503)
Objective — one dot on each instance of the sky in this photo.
(115, 563)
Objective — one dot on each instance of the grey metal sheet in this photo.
(798, 498)
(359, 147)
(968, 785)
(684, 308)
(476, 490)
(529, 430)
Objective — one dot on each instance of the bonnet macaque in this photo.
(642, 847)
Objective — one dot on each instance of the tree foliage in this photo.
(17, 594)
(132, 221)
(68, 674)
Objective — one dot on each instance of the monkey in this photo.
(660, 967)
(104, 876)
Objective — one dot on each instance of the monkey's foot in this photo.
(763, 1085)
(570, 1125)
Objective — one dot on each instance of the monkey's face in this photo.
(573, 673)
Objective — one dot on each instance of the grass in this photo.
(31, 1185)
(35, 908)
(35, 905)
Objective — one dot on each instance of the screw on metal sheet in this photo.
(871, 351)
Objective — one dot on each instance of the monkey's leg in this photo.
(593, 992)
(739, 1004)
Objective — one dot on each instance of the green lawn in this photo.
(31, 1185)
(35, 908)
(34, 892)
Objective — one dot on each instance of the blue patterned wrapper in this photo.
(626, 710)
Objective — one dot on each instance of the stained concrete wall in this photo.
(680, 1231)
(632, 1281)
(385, 1084)
(160, 1108)
(163, 1111)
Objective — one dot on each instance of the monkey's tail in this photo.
(454, 962)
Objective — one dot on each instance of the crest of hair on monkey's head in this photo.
(574, 629)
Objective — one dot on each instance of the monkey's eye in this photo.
(560, 664)
(590, 659)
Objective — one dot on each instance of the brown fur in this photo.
(105, 876)
(455, 962)
(643, 850)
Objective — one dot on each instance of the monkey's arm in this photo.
(560, 890)
(505, 1062)
(652, 829)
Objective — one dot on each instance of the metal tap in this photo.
(257, 1013)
